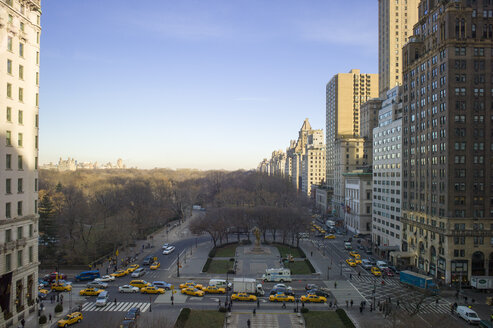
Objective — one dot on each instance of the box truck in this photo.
(247, 285)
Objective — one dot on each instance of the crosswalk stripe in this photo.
(111, 307)
(145, 307)
(120, 305)
(126, 307)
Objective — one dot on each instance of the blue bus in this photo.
(87, 275)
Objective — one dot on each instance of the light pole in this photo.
(340, 263)
(178, 266)
(227, 290)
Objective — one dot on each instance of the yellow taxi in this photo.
(243, 297)
(214, 290)
(192, 291)
(61, 287)
(139, 283)
(281, 297)
(357, 260)
(131, 268)
(330, 237)
(376, 271)
(351, 262)
(191, 284)
(313, 298)
(152, 290)
(70, 319)
(353, 253)
(119, 273)
(155, 265)
(90, 292)
(43, 291)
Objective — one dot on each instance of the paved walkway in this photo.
(271, 319)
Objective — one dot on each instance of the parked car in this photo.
(388, 272)
(282, 286)
(97, 284)
(168, 250)
(469, 315)
(282, 291)
(128, 289)
(318, 292)
(132, 314)
(53, 276)
(393, 268)
(138, 273)
(148, 260)
(105, 278)
(43, 283)
(366, 264)
(381, 265)
(162, 284)
(310, 286)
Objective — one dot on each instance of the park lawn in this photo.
(317, 319)
(284, 250)
(226, 251)
(298, 267)
(205, 319)
(220, 266)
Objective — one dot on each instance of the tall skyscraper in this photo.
(447, 146)
(19, 79)
(395, 24)
(387, 176)
(345, 93)
(313, 162)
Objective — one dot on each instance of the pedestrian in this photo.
(115, 300)
(436, 302)
(58, 298)
(230, 306)
(350, 276)
(254, 311)
(347, 304)
(351, 303)
(248, 323)
(473, 300)
(452, 309)
(397, 303)
(457, 294)
(23, 322)
(335, 284)
(49, 317)
(465, 299)
(258, 303)
(283, 304)
(359, 274)
(61, 299)
(330, 304)
(360, 309)
(311, 253)
(106, 270)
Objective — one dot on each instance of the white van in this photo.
(467, 314)
(220, 283)
(381, 265)
(347, 245)
(280, 275)
(103, 299)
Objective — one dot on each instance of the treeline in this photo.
(246, 200)
(86, 214)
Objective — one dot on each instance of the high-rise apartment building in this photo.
(387, 176)
(345, 93)
(447, 196)
(396, 19)
(369, 120)
(19, 79)
(348, 156)
(313, 162)
(358, 200)
(296, 154)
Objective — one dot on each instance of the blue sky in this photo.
(216, 84)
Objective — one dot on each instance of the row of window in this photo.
(8, 209)
(20, 259)
(20, 233)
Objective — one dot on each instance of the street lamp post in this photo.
(227, 290)
(178, 266)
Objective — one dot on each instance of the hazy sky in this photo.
(200, 84)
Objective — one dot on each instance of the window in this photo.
(36, 120)
(19, 208)
(21, 25)
(20, 233)
(30, 254)
(9, 90)
(21, 72)
(8, 235)
(37, 78)
(20, 164)
(36, 163)
(20, 139)
(8, 186)
(8, 138)
(31, 230)
(20, 186)
(9, 66)
(9, 43)
(9, 114)
(35, 184)
(21, 49)
(8, 262)
(21, 94)
(37, 57)
(21, 117)
(8, 161)
(19, 258)
(7, 210)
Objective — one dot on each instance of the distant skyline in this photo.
(193, 84)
